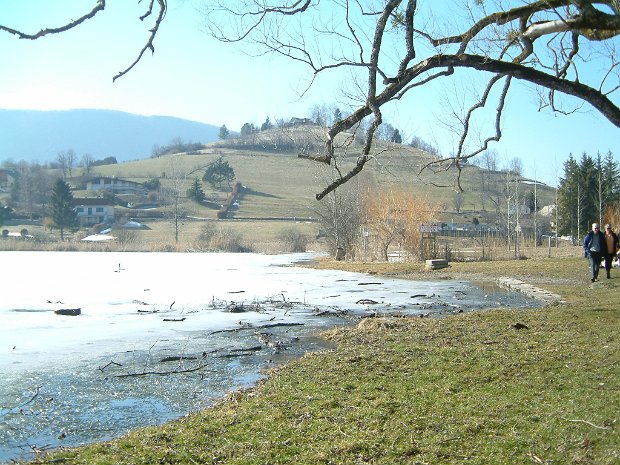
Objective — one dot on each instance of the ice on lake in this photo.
(164, 334)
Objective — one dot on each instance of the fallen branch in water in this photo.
(108, 364)
(161, 373)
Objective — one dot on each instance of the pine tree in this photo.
(589, 190)
(217, 172)
(611, 180)
(224, 132)
(5, 213)
(266, 125)
(61, 207)
(195, 191)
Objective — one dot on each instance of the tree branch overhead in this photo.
(398, 48)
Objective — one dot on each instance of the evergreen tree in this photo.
(586, 191)
(5, 213)
(337, 116)
(531, 201)
(396, 137)
(611, 180)
(589, 192)
(568, 192)
(224, 132)
(61, 207)
(195, 191)
(217, 172)
(266, 125)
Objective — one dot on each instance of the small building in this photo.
(294, 121)
(115, 185)
(93, 211)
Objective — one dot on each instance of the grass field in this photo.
(282, 186)
(469, 388)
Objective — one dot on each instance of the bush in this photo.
(126, 237)
(227, 240)
(207, 233)
(294, 240)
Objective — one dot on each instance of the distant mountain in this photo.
(39, 135)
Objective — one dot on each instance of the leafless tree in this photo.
(393, 48)
(174, 193)
(87, 162)
(340, 218)
(153, 8)
(396, 44)
(33, 190)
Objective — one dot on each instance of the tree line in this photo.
(324, 116)
(588, 192)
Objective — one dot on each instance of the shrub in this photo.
(207, 233)
(294, 240)
(227, 240)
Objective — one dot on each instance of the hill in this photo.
(40, 135)
(279, 189)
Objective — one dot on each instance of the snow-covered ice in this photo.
(94, 376)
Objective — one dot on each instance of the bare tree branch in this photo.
(390, 44)
(97, 9)
(562, 24)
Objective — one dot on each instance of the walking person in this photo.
(612, 247)
(595, 249)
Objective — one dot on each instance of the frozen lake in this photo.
(160, 335)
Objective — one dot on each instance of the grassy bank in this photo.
(470, 388)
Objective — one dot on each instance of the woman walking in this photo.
(612, 247)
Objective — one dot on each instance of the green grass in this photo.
(468, 388)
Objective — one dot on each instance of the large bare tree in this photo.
(396, 48)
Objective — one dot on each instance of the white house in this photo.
(93, 211)
(115, 185)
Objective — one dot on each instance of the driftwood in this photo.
(174, 319)
(161, 373)
(241, 352)
(68, 311)
(176, 358)
(274, 325)
(241, 308)
(108, 364)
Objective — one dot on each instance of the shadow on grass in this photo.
(248, 191)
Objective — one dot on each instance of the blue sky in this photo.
(193, 76)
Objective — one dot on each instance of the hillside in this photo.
(280, 185)
(41, 135)
(280, 188)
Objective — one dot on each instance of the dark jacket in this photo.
(587, 242)
(615, 249)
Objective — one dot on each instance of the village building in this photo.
(114, 185)
(92, 211)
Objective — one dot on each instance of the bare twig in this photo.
(590, 424)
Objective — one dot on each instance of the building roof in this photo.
(112, 178)
(86, 201)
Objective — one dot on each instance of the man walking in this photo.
(595, 249)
